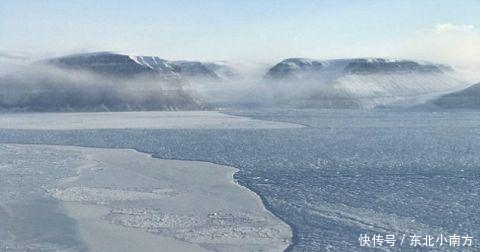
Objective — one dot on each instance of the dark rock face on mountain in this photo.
(468, 98)
(354, 83)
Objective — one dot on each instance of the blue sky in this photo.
(248, 29)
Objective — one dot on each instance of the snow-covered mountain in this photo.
(115, 81)
(102, 81)
(118, 64)
(468, 98)
(128, 65)
(354, 83)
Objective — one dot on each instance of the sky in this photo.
(261, 30)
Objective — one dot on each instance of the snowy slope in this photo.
(355, 83)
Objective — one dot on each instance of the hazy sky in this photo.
(245, 29)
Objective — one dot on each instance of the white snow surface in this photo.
(123, 200)
(135, 120)
(105, 195)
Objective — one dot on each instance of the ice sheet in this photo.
(120, 199)
(135, 120)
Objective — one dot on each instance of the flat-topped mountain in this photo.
(301, 68)
(354, 83)
(117, 64)
(103, 81)
(127, 65)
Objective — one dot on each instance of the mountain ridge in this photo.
(112, 63)
(364, 83)
(354, 83)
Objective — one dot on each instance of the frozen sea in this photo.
(332, 175)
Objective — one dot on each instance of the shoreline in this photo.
(137, 120)
(293, 230)
(111, 207)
